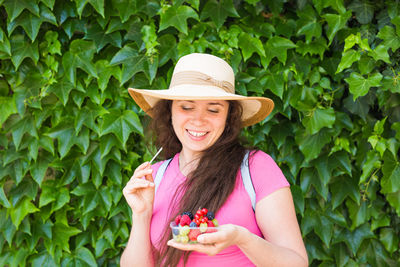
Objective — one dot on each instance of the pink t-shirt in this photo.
(266, 177)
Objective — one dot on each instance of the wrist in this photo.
(243, 235)
(144, 217)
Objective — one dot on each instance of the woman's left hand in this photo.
(213, 243)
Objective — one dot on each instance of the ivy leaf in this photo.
(133, 62)
(64, 133)
(87, 116)
(80, 55)
(98, 5)
(336, 23)
(364, 11)
(318, 119)
(394, 201)
(125, 8)
(61, 235)
(22, 209)
(250, 45)
(354, 238)
(61, 89)
(15, 7)
(311, 145)
(20, 49)
(218, 11)
(3, 199)
(38, 170)
(380, 53)
(276, 47)
(389, 37)
(121, 124)
(101, 38)
(391, 174)
(342, 188)
(7, 107)
(177, 17)
(274, 82)
(348, 58)
(308, 24)
(359, 86)
(25, 125)
(31, 23)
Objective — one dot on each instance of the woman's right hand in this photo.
(139, 191)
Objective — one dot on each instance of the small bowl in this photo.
(187, 234)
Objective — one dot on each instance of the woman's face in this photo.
(198, 124)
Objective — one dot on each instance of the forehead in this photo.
(204, 102)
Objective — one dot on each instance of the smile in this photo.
(196, 134)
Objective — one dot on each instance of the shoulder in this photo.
(156, 166)
(266, 175)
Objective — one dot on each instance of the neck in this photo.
(188, 161)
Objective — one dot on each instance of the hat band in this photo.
(198, 78)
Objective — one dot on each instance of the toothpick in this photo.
(158, 152)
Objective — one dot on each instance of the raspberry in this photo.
(210, 215)
(185, 220)
(194, 233)
(178, 219)
(210, 224)
(189, 214)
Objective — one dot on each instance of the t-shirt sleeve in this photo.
(266, 175)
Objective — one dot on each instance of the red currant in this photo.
(204, 211)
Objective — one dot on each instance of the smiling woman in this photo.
(198, 121)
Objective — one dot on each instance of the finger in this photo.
(210, 238)
(149, 177)
(137, 184)
(142, 166)
(140, 174)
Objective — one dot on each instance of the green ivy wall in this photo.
(70, 135)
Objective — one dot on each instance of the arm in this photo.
(139, 194)
(277, 220)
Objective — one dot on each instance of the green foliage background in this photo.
(71, 136)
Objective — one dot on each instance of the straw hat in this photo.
(204, 77)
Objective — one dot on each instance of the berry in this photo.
(185, 220)
(178, 219)
(204, 220)
(194, 233)
(210, 215)
(215, 222)
(203, 227)
(175, 231)
(204, 211)
(189, 214)
(210, 224)
(184, 239)
(184, 230)
(193, 224)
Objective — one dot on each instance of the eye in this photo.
(186, 108)
(213, 110)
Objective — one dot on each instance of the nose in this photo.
(198, 117)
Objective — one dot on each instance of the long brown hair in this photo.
(210, 184)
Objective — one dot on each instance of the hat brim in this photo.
(255, 109)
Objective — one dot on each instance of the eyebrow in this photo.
(209, 103)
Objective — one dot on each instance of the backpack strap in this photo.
(160, 173)
(246, 178)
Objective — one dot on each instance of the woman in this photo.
(197, 121)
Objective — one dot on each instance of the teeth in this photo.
(197, 134)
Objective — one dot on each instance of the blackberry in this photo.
(210, 215)
(188, 213)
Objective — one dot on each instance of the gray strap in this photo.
(247, 182)
(160, 174)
